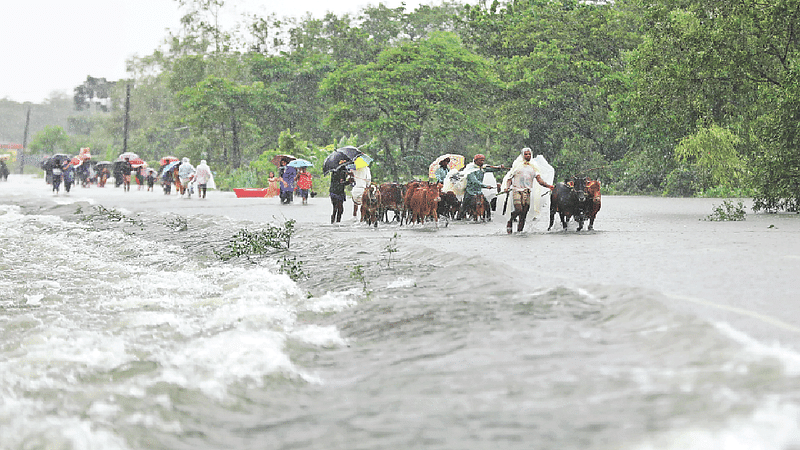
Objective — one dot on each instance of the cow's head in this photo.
(593, 190)
(579, 185)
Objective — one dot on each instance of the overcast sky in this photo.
(49, 46)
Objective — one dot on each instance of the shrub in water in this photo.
(259, 242)
(727, 211)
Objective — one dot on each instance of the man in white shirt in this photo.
(520, 183)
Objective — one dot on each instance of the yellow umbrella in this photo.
(362, 161)
(456, 162)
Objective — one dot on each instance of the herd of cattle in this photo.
(420, 201)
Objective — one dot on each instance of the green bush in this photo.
(727, 211)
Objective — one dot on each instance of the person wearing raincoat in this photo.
(186, 175)
(202, 176)
(475, 184)
(520, 185)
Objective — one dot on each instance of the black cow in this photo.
(449, 205)
(569, 199)
(391, 200)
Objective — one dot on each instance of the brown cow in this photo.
(391, 200)
(410, 189)
(423, 201)
(593, 194)
(476, 208)
(370, 202)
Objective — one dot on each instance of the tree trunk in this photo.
(236, 154)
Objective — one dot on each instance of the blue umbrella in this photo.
(169, 166)
(300, 163)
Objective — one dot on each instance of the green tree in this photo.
(734, 64)
(398, 98)
(559, 60)
(53, 139)
(713, 152)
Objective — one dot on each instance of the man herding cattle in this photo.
(520, 185)
(475, 184)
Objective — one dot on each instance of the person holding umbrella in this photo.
(125, 170)
(56, 171)
(475, 183)
(339, 179)
(442, 170)
(68, 174)
(362, 178)
(287, 182)
(304, 183)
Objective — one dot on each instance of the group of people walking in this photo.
(185, 176)
(290, 180)
(518, 183)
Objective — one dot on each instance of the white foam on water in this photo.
(212, 364)
(25, 425)
(402, 282)
(96, 312)
(332, 301)
(319, 336)
(772, 426)
(755, 350)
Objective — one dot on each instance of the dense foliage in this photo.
(673, 97)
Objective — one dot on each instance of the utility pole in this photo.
(21, 155)
(125, 126)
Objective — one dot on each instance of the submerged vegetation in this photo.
(727, 211)
(675, 98)
(100, 213)
(247, 243)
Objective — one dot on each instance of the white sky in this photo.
(49, 46)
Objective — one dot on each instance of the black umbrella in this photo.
(56, 160)
(339, 158)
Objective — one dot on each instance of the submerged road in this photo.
(741, 273)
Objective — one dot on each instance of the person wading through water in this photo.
(520, 184)
(339, 179)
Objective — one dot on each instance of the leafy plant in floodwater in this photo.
(727, 211)
(293, 267)
(259, 242)
(358, 274)
(107, 214)
(390, 249)
(177, 223)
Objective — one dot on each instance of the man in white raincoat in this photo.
(202, 176)
(520, 183)
(186, 175)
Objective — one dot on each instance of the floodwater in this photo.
(122, 328)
